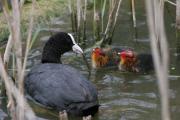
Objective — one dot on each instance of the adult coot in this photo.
(61, 86)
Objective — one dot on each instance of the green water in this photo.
(123, 96)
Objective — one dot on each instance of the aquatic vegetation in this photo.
(103, 36)
(42, 16)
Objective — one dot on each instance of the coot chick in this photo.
(61, 86)
(133, 62)
(105, 57)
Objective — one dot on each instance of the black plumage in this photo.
(60, 86)
(145, 62)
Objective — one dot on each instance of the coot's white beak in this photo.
(77, 49)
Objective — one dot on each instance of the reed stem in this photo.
(17, 104)
(155, 18)
(133, 13)
(94, 20)
(133, 9)
(178, 26)
(178, 14)
(21, 83)
(71, 14)
(109, 25)
(84, 21)
(8, 50)
(102, 15)
(115, 21)
(78, 4)
(170, 2)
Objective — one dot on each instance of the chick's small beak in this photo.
(77, 49)
(122, 61)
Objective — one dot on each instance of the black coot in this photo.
(61, 86)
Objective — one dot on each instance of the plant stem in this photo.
(84, 21)
(155, 18)
(72, 14)
(79, 20)
(109, 25)
(21, 83)
(102, 15)
(134, 18)
(114, 23)
(94, 21)
(178, 26)
(16, 35)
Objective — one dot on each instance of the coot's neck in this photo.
(51, 57)
(52, 53)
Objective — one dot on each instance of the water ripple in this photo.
(132, 102)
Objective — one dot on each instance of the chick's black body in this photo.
(61, 86)
(145, 62)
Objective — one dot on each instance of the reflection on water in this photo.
(123, 96)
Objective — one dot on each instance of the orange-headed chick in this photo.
(128, 61)
(99, 58)
(132, 62)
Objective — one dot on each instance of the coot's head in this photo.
(57, 45)
(128, 61)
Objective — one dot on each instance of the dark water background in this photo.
(123, 96)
